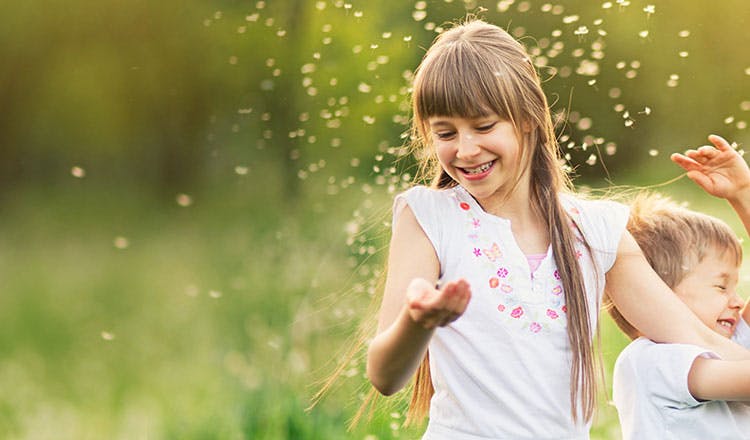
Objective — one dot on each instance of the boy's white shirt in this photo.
(650, 391)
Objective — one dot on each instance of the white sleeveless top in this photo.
(502, 370)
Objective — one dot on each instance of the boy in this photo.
(682, 391)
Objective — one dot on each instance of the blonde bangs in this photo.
(458, 82)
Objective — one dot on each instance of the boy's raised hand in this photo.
(719, 169)
(431, 307)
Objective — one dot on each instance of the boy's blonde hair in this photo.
(674, 240)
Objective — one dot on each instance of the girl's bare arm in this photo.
(412, 307)
(714, 379)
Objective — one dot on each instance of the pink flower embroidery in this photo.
(494, 282)
(578, 254)
(465, 206)
(475, 222)
(477, 252)
(517, 312)
(501, 307)
(552, 314)
(502, 272)
(506, 288)
(535, 327)
(565, 309)
(557, 274)
(557, 290)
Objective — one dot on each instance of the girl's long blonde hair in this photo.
(477, 69)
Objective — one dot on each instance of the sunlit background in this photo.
(195, 195)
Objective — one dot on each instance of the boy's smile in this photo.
(710, 290)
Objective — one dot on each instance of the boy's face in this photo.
(710, 290)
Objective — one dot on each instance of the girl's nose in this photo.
(467, 146)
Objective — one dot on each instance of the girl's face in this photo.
(710, 290)
(481, 154)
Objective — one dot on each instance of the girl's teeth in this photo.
(725, 323)
(480, 169)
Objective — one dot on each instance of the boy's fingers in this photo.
(684, 161)
(699, 178)
(720, 142)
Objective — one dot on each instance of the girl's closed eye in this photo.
(444, 135)
(486, 127)
(721, 287)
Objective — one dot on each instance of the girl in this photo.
(680, 390)
(495, 273)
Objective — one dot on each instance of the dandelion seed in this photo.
(684, 33)
(643, 33)
(107, 336)
(582, 30)
(570, 19)
(649, 9)
(745, 106)
(78, 172)
(615, 93)
(610, 148)
(121, 242)
(184, 200)
(320, 5)
(252, 17)
(364, 88)
(629, 123)
(728, 120)
(606, 5)
(591, 160)
(653, 152)
(741, 125)
(369, 120)
(504, 5)
(419, 15)
(646, 111)
(747, 71)
(241, 170)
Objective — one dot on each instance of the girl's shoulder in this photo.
(430, 197)
(595, 213)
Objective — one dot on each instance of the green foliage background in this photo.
(195, 195)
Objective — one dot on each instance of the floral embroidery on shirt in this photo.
(493, 253)
(534, 302)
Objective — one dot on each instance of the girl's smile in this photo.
(481, 154)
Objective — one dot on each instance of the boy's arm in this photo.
(722, 172)
(411, 308)
(714, 379)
